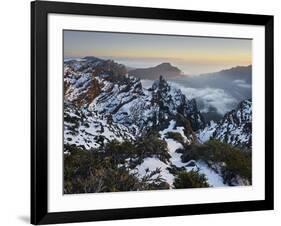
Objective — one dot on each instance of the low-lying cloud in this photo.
(242, 83)
(146, 83)
(207, 98)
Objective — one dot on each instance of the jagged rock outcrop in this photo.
(103, 88)
(103, 103)
(235, 128)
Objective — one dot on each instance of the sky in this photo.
(193, 55)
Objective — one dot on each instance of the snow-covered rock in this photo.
(235, 128)
(102, 103)
(86, 129)
(104, 88)
(206, 133)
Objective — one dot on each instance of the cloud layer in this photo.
(207, 98)
(242, 83)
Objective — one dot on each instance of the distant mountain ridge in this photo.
(104, 88)
(213, 79)
(152, 73)
(234, 73)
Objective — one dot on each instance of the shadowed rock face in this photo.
(156, 126)
(171, 102)
(103, 90)
(236, 126)
(165, 69)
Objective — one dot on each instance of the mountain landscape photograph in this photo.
(153, 112)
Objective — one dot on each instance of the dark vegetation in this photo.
(87, 172)
(176, 136)
(108, 169)
(231, 161)
(190, 179)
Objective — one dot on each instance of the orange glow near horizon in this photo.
(193, 54)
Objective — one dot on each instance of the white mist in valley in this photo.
(207, 98)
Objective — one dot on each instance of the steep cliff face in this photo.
(105, 90)
(161, 129)
(235, 128)
(171, 101)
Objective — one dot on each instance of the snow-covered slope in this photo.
(88, 130)
(103, 88)
(235, 128)
(151, 164)
(102, 103)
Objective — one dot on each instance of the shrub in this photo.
(71, 119)
(86, 172)
(119, 151)
(236, 162)
(233, 161)
(190, 179)
(152, 180)
(176, 136)
(151, 145)
(196, 152)
(100, 171)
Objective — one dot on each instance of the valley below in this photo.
(128, 131)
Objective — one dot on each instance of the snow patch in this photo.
(152, 164)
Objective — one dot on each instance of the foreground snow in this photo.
(213, 178)
(101, 106)
(151, 164)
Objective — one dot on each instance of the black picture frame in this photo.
(39, 112)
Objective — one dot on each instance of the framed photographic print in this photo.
(145, 112)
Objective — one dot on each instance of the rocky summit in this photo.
(155, 136)
(102, 90)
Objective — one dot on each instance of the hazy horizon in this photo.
(192, 55)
